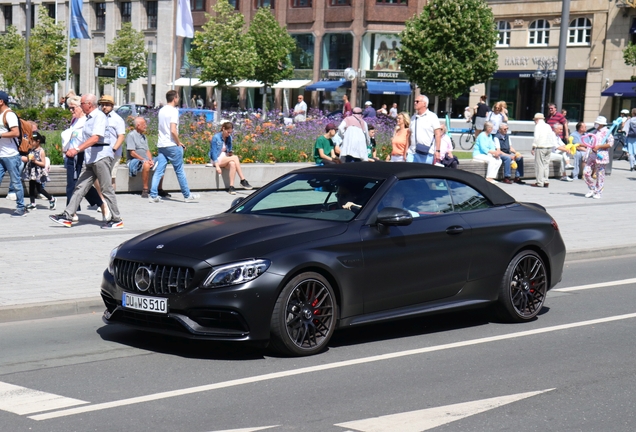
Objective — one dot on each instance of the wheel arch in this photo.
(544, 257)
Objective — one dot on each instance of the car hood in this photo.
(226, 237)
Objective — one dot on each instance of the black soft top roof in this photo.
(403, 170)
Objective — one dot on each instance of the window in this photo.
(151, 12)
(8, 16)
(420, 197)
(302, 3)
(303, 56)
(234, 3)
(50, 10)
(125, 9)
(340, 3)
(465, 198)
(503, 27)
(264, 3)
(197, 5)
(337, 50)
(580, 32)
(539, 32)
(100, 16)
(400, 2)
(32, 16)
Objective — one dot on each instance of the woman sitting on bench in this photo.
(221, 156)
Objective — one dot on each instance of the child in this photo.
(35, 172)
(371, 145)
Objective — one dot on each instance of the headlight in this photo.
(111, 261)
(237, 273)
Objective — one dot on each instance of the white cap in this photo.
(601, 120)
(368, 103)
(624, 111)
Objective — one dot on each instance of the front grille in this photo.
(164, 280)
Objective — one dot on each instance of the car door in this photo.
(425, 261)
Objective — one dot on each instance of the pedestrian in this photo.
(426, 134)
(222, 157)
(35, 172)
(401, 138)
(368, 112)
(509, 156)
(597, 158)
(170, 150)
(560, 153)
(98, 161)
(116, 130)
(555, 117)
(355, 137)
(481, 110)
(486, 151)
(629, 127)
(382, 111)
(300, 110)
(393, 112)
(542, 145)
(447, 158)
(199, 102)
(139, 156)
(497, 116)
(10, 159)
(371, 144)
(324, 153)
(581, 150)
(346, 106)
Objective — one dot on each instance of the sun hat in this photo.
(368, 103)
(106, 99)
(601, 120)
(624, 111)
(538, 116)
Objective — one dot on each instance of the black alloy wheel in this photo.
(523, 288)
(304, 316)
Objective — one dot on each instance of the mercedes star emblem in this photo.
(143, 278)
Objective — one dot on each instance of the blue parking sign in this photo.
(122, 72)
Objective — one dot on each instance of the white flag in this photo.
(185, 28)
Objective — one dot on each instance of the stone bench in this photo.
(480, 168)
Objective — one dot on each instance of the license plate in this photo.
(144, 303)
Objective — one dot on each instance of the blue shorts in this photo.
(135, 165)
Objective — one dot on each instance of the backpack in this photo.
(632, 128)
(23, 141)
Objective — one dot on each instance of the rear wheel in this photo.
(467, 140)
(304, 316)
(523, 288)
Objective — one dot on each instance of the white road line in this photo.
(254, 429)
(596, 285)
(423, 420)
(311, 369)
(22, 400)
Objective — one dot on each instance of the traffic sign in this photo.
(122, 72)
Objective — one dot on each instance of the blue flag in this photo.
(79, 28)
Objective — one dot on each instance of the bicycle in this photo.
(467, 139)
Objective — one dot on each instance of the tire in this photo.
(304, 316)
(523, 288)
(467, 141)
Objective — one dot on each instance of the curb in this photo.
(582, 254)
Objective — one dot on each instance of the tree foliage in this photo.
(629, 55)
(449, 47)
(222, 50)
(128, 49)
(47, 52)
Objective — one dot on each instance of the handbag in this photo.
(423, 149)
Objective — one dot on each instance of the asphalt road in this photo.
(570, 370)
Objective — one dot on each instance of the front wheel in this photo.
(304, 316)
(523, 288)
(467, 140)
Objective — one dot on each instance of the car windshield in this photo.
(313, 196)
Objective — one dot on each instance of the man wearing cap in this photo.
(544, 141)
(116, 131)
(98, 159)
(324, 153)
(368, 112)
(300, 110)
(598, 158)
(426, 134)
(10, 160)
(555, 117)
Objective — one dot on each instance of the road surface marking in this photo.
(423, 420)
(328, 366)
(21, 400)
(248, 429)
(596, 285)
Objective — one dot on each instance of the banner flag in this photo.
(185, 28)
(79, 28)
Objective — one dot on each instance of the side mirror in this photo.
(237, 201)
(393, 216)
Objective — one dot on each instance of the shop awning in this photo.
(185, 82)
(624, 89)
(248, 84)
(207, 84)
(291, 84)
(389, 88)
(327, 85)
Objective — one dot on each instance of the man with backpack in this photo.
(629, 127)
(10, 159)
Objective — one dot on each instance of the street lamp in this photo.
(545, 70)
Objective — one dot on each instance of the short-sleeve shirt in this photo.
(96, 124)
(557, 118)
(423, 129)
(138, 143)
(8, 146)
(325, 144)
(116, 127)
(167, 115)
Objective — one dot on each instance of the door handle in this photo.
(454, 230)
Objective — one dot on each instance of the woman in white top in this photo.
(355, 136)
(498, 115)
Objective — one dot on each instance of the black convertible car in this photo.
(330, 247)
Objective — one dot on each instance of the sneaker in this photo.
(52, 203)
(164, 194)
(245, 184)
(209, 164)
(19, 213)
(113, 224)
(62, 219)
(156, 199)
(566, 179)
(145, 193)
(596, 196)
(231, 190)
(194, 197)
(75, 219)
(568, 166)
(590, 194)
(30, 207)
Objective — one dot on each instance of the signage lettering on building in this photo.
(398, 75)
(525, 61)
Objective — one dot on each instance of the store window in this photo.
(580, 32)
(151, 14)
(303, 55)
(503, 27)
(301, 3)
(197, 5)
(393, 2)
(126, 11)
(385, 48)
(539, 33)
(337, 51)
(100, 16)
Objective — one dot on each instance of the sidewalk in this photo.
(48, 270)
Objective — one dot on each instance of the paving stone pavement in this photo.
(49, 270)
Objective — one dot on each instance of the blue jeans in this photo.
(420, 158)
(11, 188)
(631, 149)
(13, 166)
(174, 155)
(507, 159)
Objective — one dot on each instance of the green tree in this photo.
(128, 49)
(449, 47)
(223, 51)
(274, 47)
(629, 55)
(47, 47)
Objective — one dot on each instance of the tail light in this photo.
(555, 225)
